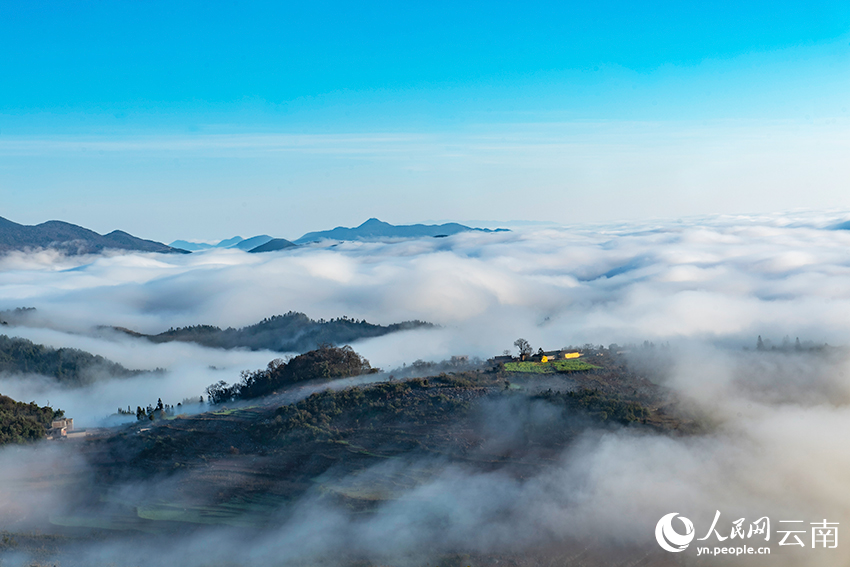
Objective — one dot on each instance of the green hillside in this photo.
(23, 423)
(69, 366)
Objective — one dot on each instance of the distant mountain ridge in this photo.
(235, 242)
(273, 245)
(292, 332)
(251, 244)
(72, 239)
(374, 229)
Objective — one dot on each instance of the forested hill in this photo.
(68, 366)
(324, 363)
(72, 239)
(23, 423)
(292, 332)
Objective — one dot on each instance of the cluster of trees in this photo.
(159, 410)
(24, 423)
(16, 316)
(290, 332)
(324, 363)
(787, 345)
(67, 365)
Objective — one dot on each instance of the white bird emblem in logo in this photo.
(665, 533)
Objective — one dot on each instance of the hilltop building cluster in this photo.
(63, 428)
(540, 356)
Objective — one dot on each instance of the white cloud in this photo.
(709, 286)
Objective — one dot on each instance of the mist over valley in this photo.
(446, 284)
(683, 361)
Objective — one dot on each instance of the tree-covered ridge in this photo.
(72, 239)
(69, 366)
(335, 414)
(598, 404)
(24, 423)
(292, 332)
(325, 363)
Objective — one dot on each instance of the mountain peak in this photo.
(229, 242)
(373, 222)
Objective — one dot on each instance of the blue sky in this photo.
(251, 114)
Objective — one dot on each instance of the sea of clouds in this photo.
(725, 278)
(707, 286)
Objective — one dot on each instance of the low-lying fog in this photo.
(709, 287)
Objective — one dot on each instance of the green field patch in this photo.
(104, 521)
(234, 412)
(376, 484)
(572, 365)
(244, 512)
(529, 367)
(363, 451)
